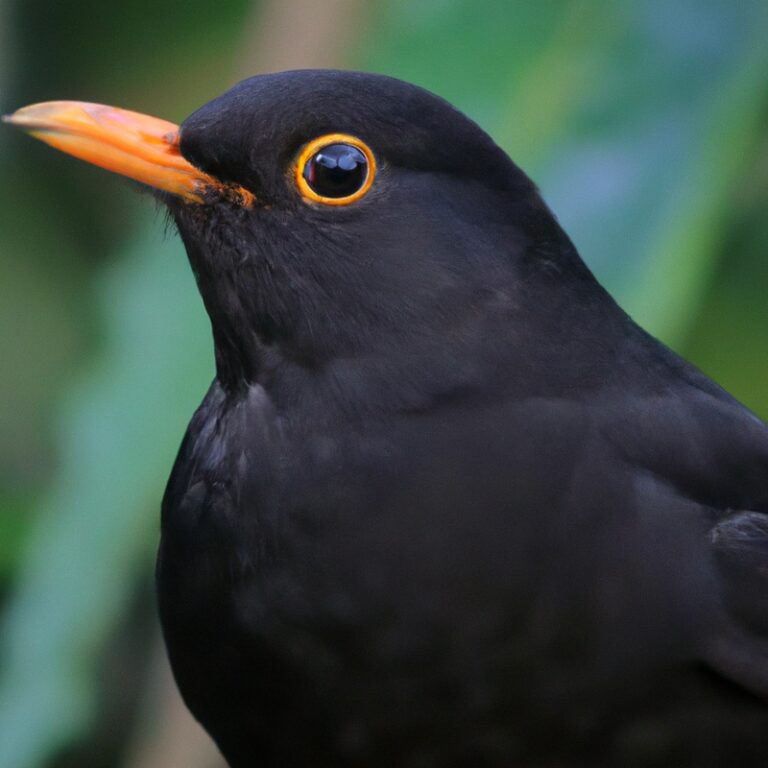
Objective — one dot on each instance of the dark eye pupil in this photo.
(338, 170)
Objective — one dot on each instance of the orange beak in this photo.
(140, 147)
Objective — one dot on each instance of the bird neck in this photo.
(236, 364)
(475, 332)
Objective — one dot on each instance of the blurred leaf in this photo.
(42, 310)
(119, 431)
(13, 531)
(730, 332)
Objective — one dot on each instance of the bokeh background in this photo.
(645, 123)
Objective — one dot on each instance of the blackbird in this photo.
(444, 503)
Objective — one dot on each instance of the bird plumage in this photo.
(445, 503)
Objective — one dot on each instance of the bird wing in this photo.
(708, 448)
(740, 649)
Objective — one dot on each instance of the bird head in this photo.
(333, 216)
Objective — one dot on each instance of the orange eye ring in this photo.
(311, 149)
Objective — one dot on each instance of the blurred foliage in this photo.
(644, 122)
(100, 513)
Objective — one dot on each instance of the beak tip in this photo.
(16, 119)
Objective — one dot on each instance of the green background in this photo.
(644, 122)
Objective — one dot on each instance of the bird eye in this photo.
(336, 169)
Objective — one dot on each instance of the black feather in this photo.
(445, 503)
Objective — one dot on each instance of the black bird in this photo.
(444, 503)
